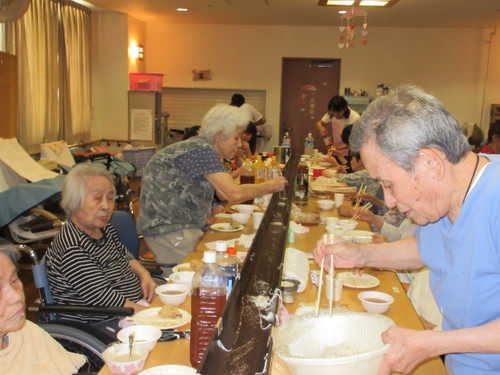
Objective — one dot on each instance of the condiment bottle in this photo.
(273, 170)
(301, 183)
(247, 176)
(207, 303)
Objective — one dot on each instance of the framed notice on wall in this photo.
(141, 124)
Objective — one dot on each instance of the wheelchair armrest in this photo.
(83, 309)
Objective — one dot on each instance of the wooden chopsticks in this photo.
(364, 208)
(327, 239)
(362, 190)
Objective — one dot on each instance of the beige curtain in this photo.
(34, 40)
(76, 32)
(51, 45)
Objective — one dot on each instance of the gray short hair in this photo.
(406, 121)
(75, 188)
(9, 250)
(222, 117)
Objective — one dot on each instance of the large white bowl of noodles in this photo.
(348, 343)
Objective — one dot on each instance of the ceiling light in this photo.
(340, 2)
(182, 9)
(373, 3)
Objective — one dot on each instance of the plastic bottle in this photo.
(228, 265)
(247, 175)
(207, 303)
(273, 170)
(309, 145)
(260, 170)
(287, 144)
(301, 183)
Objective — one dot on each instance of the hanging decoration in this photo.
(348, 28)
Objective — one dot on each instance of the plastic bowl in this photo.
(116, 358)
(144, 336)
(325, 204)
(241, 218)
(375, 302)
(345, 344)
(336, 230)
(245, 208)
(348, 224)
(182, 278)
(173, 294)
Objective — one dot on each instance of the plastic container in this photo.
(273, 170)
(301, 183)
(207, 303)
(260, 170)
(247, 176)
(309, 145)
(228, 266)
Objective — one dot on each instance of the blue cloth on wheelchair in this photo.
(20, 198)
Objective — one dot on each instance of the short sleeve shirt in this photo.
(175, 193)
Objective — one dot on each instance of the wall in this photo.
(449, 63)
(250, 57)
(109, 60)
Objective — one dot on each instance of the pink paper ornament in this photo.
(364, 41)
(364, 33)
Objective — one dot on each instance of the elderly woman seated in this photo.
(25, 348)
(86, 263)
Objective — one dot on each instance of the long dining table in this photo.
(401, 311)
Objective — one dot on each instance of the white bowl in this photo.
(116, 358)
(348, 224)
(144, 336)
(375, 302)
(245, 208)
(325, 204)
(336, 230)
(182, 278)
(347, 343)
(173, 294)
(241, 218)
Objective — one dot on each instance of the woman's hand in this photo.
(148, 287)
(278, 183)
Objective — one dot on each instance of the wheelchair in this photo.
(73, 336)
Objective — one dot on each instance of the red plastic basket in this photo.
(145, 81)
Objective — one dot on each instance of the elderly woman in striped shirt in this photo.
(86, 263)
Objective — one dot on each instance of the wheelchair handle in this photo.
(83, 309)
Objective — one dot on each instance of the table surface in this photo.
(401, 311)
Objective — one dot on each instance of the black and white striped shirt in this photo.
(86, 271)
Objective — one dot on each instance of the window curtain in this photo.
(54, 94)
(76, 31)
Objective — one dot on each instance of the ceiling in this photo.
(405, 13)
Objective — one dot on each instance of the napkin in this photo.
(246, 239)
(298, 228)
(296, 267)
(230, 243)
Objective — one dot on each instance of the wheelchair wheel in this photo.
(78, 341)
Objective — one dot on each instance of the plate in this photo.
(182, 267)
(169, 370)
(225, 227)
(359, 282)
(150, 317)
(359, 236)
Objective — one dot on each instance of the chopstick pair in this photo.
(327, 239)
(362, 190)
(364, 208)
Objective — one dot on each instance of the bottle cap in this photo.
(220, 246)
(209, 256)
(231, 250)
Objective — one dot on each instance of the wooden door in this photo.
(8, 95)
(307, 85)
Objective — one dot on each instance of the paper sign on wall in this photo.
(141, 124)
